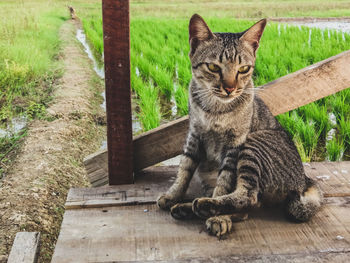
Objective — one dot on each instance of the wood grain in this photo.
(143, 233)
(333, 178)
(118, 98)
(284, 94)
(308, 84)
(25, 248)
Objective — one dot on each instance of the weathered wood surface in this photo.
(147, 186)
(139, 232)
(333, 178)
(308, 84)
(25, 248)
(116, 38)
(144, 233)
(284, 94)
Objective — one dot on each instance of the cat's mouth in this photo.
(223, 94)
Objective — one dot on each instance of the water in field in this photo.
(17, 125)
(342, 26)
(99, 69)
(325, 26)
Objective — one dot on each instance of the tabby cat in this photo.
(233, 134)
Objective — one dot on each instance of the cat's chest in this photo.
(215, 123)
(217, 135)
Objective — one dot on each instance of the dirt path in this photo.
(33, 193)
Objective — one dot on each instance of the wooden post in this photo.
(118, 100)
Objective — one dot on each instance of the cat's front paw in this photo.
(205, 207)
(182, 211)
(165, 202)
(219, 225)
(220, 191)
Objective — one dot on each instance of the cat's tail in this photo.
(301, 207)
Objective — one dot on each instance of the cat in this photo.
(233, 134)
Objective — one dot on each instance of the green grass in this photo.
(29, 47)
(29, 67)
(149, 107)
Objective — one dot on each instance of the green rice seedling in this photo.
(304, 134)
(335, 150)
(93, 36)
(149, 107)
(344, 131)
(301, 149)
(184, 71)
(338, 104)
(163, 80)
(136, 83)
(181, 98)
(319, 115)
(307, 134)
(144, 67)
(288, 122)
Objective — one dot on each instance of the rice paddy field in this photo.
(160, 68)
(160, 74)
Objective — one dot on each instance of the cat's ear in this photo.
(199, 31)
(252, 35)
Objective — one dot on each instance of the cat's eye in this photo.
(212, 67)
(244, 69)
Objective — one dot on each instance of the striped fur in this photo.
(233, 130)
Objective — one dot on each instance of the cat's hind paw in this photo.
(219, 225)
(205, 207)
(165, 202)
(182, 211)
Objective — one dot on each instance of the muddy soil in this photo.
(33, 193)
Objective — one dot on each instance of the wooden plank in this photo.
(309, 84)
(148, 185)
(321, 257)
(144, 233)
(330, 180)
(160, 144)
(118, 98)
(333, 178)
(25, 248)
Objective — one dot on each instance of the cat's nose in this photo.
(229, 84)
(229, 90)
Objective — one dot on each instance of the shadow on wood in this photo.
(123, 224)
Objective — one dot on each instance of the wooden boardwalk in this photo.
(123, 224)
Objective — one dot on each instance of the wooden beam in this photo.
(308, 84)
(25, 248)
(160, 144)
(118, 99)
(284, 94)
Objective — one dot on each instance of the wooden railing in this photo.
(126, 156)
